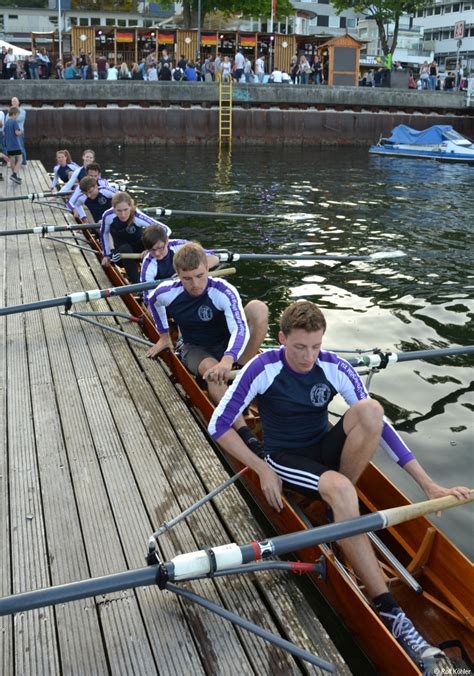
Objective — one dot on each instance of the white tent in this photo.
(17, 51)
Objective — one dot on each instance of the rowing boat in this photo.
(431, 579)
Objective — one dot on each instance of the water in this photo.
(342, 201)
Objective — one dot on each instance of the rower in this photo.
(293, 386)
(88, 157)
(75, 201)
(97, 198)
(216, 330)
(124, 224)
(64, 167)
(158, 263)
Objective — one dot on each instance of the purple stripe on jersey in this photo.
(105, 229)
(162, 288)
(241, 334)
(396, 445)
(239, 391)
(348, 371)
(145, 265)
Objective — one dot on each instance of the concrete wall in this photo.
(199, 125)
(103, 93)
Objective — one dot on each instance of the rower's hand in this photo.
(271, 485)
(106, 262)
(219, 373)
(434, 490)
(143, 254)
(163, 343)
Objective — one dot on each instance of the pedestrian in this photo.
(15, 102)
(317, 69)
(239, 63)
(102, 67)
(11, 134)
(304, 70)
(9, 65)
(433, 76)
(260, 68)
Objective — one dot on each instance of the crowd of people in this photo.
(241, 68)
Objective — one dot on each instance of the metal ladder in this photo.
(225, 112)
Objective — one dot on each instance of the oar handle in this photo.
(395, 515)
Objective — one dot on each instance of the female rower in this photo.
(88, 157)
(124, 224)
(64, 167)
(158, 263)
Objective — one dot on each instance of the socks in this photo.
(385, 603)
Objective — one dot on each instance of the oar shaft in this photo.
(45, 229)
(33, 196)
(227, 256)
(383, 359)
(74, 591)
(161, 211)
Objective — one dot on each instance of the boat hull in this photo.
(420, 154)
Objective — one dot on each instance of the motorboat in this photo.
(440, 142)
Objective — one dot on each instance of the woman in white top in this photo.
(9, 63)
(112, 72)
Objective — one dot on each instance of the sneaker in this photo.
(15, 179)
(421, 652)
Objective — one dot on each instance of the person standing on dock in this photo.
(293, 386)
(21, 123)
(12, 145)
(216, 330)
(158, 263)
(124, 223)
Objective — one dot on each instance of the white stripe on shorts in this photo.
(294, 476)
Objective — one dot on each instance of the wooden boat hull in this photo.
(444, 610)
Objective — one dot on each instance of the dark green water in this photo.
(342, 201)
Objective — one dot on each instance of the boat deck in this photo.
(97, 449)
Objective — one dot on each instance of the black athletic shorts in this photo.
(13, 153)
(193, 355)
(301, 468)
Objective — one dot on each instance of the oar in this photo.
(378, 255)
(382, 359)
(94, 294)
(226, 558)
(34, 196)
(45, 229)
(161, 211)
(191, 192)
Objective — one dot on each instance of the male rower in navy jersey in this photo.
(293, 386)
(216, 330)
(76, 200)
(96, 197)
(158, 263)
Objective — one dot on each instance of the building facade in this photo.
(439, 22)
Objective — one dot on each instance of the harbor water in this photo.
(341, 201)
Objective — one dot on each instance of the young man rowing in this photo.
(216, 330)
(293, 386)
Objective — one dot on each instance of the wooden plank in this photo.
(6, 623)
(35, 645)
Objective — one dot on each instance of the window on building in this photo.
(13, 17)
(429, 11)
(122, 23)
(419, 13)
(343, 21)
(2, 22)
(323, 21)
(447, 9)
(95, 21)
(73, 20)
(132, 22)
(53, 20)
(427, 36)
(148, 23)
(323, 2)
(83, 21)
(333, 21)
(351, 23)
(456, 7)
(437, 10)
(110, 22)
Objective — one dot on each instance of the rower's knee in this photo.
(256, 312)
(206, 364)
(368, 413)
(340, 493)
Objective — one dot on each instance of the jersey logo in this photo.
(102, 199)
(131, 229)
(320, 394)
(205, 313)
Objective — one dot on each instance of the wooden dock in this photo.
(97, 449)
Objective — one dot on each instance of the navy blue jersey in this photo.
(63, 172)
(294, 406)
(216, 316)
(78, 198)
(125, 233)
(97, 206)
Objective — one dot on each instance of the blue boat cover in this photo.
(405, 134)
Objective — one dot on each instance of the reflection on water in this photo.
(338, 200)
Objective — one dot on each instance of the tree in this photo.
(383, 12)
(250, 8)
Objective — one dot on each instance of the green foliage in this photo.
(23, 4)
(247, 8)
(105, 5)
(383, 12)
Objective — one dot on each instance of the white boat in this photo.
(440, 142)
